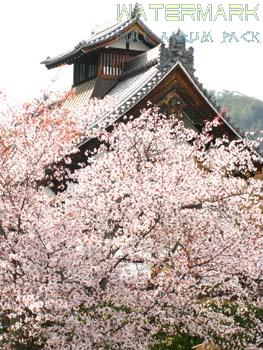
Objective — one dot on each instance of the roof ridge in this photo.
(102, 27)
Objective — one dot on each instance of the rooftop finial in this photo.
(177, 41)
(136, 11)
(177, 51)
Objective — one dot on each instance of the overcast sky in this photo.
(31, 30)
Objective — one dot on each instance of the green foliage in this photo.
(244, 111)
(180, 341)
(244, 318)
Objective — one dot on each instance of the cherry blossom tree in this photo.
(161, 235)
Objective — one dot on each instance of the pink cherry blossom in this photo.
(160, 232)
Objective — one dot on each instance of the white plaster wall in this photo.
(121, 44)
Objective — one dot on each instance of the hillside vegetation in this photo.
(246, 112)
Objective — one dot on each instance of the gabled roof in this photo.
(161, 71)
(141, 78)
(99, 39)
(141, 75)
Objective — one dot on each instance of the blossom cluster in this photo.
(160, 234)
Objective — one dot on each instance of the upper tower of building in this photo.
(104, 54)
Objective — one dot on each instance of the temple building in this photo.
(127, 61)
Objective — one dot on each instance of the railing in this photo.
(111, 63)
(107, 64)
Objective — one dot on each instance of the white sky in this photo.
(31, 30)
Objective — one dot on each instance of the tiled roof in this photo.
(141, 62)
(82, 93)
(131, 90)
(125, 89)
(140, 75)
(110, 32)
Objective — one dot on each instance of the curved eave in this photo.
(71, 56)
(151, 34)
(67, 59)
